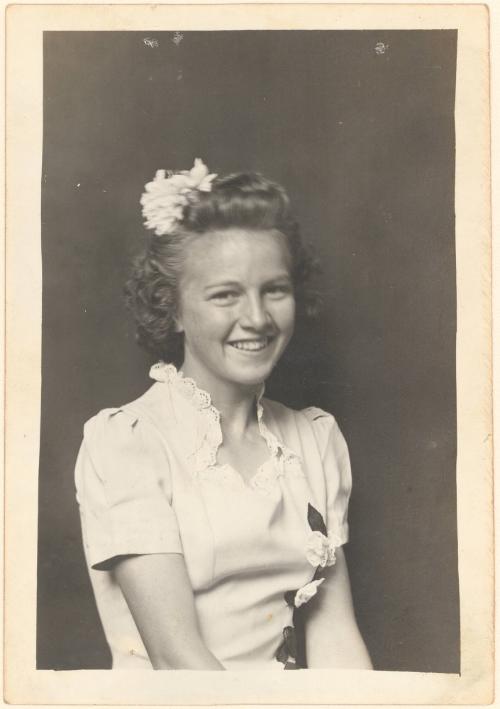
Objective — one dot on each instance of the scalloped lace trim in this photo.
(205, 452)
(264, 480)
(204, 456)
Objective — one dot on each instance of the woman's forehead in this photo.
(237, 251)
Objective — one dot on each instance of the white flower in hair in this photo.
(166, 196)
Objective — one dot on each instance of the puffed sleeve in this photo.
(123, 490)
(337, 470)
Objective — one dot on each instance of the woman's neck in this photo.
(235, 403)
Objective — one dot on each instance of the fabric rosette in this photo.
(320, 549)
(307, 592)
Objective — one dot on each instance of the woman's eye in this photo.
(279, 290)
(224, 297)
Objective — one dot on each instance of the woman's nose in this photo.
(255, 314)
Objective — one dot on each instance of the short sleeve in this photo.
(123, 490)
(337, 470)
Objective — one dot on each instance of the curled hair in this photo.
(241, 200)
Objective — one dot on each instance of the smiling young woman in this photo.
(212, 517)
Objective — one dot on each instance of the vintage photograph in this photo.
(254, 439)
(276, 209)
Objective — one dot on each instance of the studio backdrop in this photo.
(359, 127)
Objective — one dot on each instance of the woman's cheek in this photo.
(288, 312)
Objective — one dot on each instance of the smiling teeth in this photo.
(251, 345)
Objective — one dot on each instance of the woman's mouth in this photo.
(253, 345)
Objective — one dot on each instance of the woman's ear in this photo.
(178, 324)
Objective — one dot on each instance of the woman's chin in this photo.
(252, 374)
(251, 366)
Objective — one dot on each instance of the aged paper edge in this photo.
(24, 684)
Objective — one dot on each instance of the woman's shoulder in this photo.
(121, 424)
(124, 446)
(310, 415)
(321, 423)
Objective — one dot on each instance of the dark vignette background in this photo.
(359, 126)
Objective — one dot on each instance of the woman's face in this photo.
(236, 306)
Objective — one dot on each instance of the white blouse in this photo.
(148, 482)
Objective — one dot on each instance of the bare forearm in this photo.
(159, 595)
(332, 634)
(342, 647)
(189, 654)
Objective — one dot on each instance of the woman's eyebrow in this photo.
(236, 284)
(272, 279)
(222, 284)
(279, 277)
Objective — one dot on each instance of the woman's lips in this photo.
(253, 345)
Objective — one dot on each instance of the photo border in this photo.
(25, 684)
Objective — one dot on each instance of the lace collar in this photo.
(209, 434)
